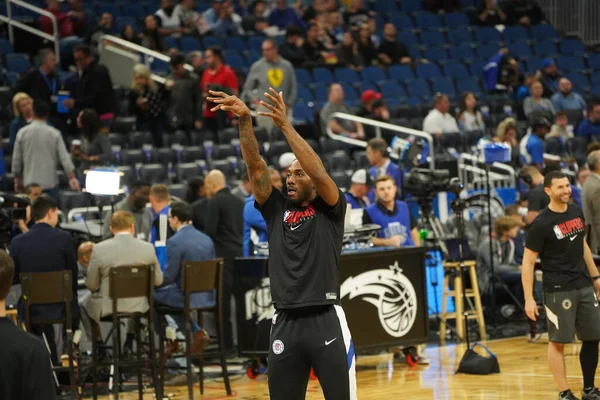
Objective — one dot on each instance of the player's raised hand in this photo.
(228, 102)
(278, 110)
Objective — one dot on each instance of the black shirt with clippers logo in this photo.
(559, 238)
(305, 244)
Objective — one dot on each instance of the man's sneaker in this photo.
(568, 396)
(593, 394)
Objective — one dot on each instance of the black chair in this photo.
(222, 151)
(45, 288)
(192, 153)
(155, 173)
(127, 282)
(341, 179)
(225, 167)
(340, 161)
(188, 170)
(198, 276)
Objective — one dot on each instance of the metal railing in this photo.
(12, 23)
(378, 127)
(474, 177)
(581, 17)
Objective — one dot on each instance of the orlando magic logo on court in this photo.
(391, 292)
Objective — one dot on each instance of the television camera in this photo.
(12, 208)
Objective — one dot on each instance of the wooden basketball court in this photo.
(524, 375)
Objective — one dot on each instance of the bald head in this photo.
(84, 253)
(215, 181)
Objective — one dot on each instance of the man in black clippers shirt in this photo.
(571, 284)
(305, 231)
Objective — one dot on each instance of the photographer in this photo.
(501, 73)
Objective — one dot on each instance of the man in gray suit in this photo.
(122, 250)
(590, 199)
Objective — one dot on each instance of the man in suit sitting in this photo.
(45, 249)
(187, 244)
(121, 250)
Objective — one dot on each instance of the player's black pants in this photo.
(317, 337)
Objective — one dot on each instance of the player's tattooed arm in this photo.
(258, 172)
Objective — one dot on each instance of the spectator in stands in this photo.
(160, 230)
(348, 53)
(134, 204)
(270, 71)
(151, 37)
(225, 225)
(220, 77)
(33, 191)
(255, 227)
(469, 117)
(23, 111)
(589, 128)
(39, 149)
(373, 107)
(54, 251)
(439, 120)
(357, 195)
(148, 101)
(334, 27)
(79, 18)
(63, 21)
(339, 126)
(512, 211)
(581, 176)
(381, 165)
(503, 249)
(128, 33)
(536, 104)
(256, 22)
(187, 244)
(501, 74)
(590, 193)
(186, 11)
(372, 24)
(506, 133)
(185, 107)
(230, 23)
(537, 199)
(315, 51)
(524, 12)
(366, 46)
(532, 144)
(95, 148)
(168, 20)
(121, 250)
(523, 89)
(243, 190)
(292, 49)
(104, 27)
(560, 128)
(195, 189)
(43, 84)
(392, 51)
(195, 59)
(566, 99)
(95, 87)
(489, 14)
(398, 227)
(355, 15)
(25, 372)
(549, 77)
(283, 16)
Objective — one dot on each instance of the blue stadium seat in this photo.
(236, 43)
(393, 91)
(253, 56)
(159, 66)
(444, 85)
(346, 75)
(535, 64)
(255, 43)
(303, 76)
(428, 20)
(594, 61)
(349, 92)
(303, 113)
(401, 73)
(477, 67)
(171, 42)
(236, 61)
(368, 86)
(323, 75)
(382, 6)
(321, 93)
(16, 62)
(122, 22)
(305, 94)
(487, 35)
(415, 101)
(210, 41)
(520, 50)
(545, 48)
(401, 21)
(419, 88)
(189, 43)
(543, 32)
(415, 51)
(135, 10)
(463, 53)
(12, 78)
(428, 71)
(579, 81)
(596, 78)
(436, 53)
(456, 70)
(6, 47)
(486, 51)
(515, 34)
(411, 6)
(112, 9)
(432, 38)
(570, 63)
(456, 19)
(408, 38)
(373, 74)
(572, 46)
(470, 84)
(460, 36)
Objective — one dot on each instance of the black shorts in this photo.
(570, 312)
(317, 338)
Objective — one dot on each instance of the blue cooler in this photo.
(496, 152)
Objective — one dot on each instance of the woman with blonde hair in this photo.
(23, 111)
(148, 101)
(507, 133)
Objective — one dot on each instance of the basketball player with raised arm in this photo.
(571, 283)
(305, 230)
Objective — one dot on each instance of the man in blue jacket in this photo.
(398, 227)
(187, 244)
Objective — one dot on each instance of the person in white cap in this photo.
(357, 195)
